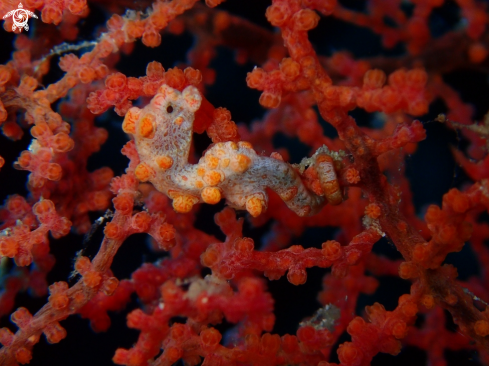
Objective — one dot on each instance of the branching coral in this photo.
(198, 298)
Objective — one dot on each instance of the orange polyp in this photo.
(225, 163)
(124, 203)
(374, 79)
(352, 176)
(134, 28)
(16, 205)
(349, 354)
(211, 195)
(408, 270)
(193, 76)
(23, 355)
(44, 155)
(135, 358)
(116, 81)
(398, 78)
(210, 257)
(434, 214)
(28, 84)
(155, 70)
(146, 127)
(164, 161)
(428, 301)
(306, 19)
(43, 207)
(86, 74)
(199, 184)
(184, 203)
(254, 206)
(129, 124)
(175, 78)
(447, 233)
(256, 78)
(58, 298)
(290, 68)
(40, 130)
(241, 163)
(82, 265)
(173, 354)
(277, 14)
(481, 328)
(110, 285)
(356, 326)
(409, 309)
(167, 232)
(92, 279)
(141, 221)
(244, 245)
(212, 162)
(373, 211)
(178, 332)
(269, 99)
(351, 131)
(112, 230)
(332, 250)
(458, 200)
(62, 142)
(200, 172)
(418, 107)
(21, 317)
(288, 194)
(210, 338)
(297, 277)
(8, 247)
(54, 172)
(416, 78)
(144, 172)
(25, 159)
(212, 178)
(151, 38)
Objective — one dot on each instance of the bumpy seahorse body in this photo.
(163, 133)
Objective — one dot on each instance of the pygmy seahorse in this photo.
(163, 134)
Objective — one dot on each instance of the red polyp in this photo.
(311, 176)
(349, 354)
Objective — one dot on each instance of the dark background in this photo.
(431, 171)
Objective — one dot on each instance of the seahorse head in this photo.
(164, 127)
(175, 106)
(168, 108)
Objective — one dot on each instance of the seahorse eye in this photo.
(169, 109)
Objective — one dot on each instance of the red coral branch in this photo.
(174, 178)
